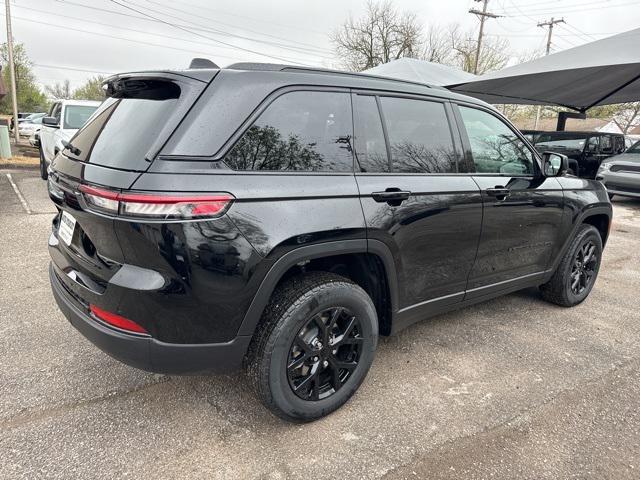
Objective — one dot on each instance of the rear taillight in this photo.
(116, 320)
(156, 206)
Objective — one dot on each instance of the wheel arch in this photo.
(353, 254)
(602, 222)
(599, 216)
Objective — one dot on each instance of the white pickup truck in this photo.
(64, 119)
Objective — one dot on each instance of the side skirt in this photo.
(415, 313)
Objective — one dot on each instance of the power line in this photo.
(204, 36)
(294, 42)
(148, 18)
(219, 12)
(482, 15)
(75, 69)
(582, 9)
(199, 42)
(190, 24)
(141, 42)
(571, 28)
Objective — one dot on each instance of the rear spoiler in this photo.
(120, 83)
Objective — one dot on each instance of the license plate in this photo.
(66, 228)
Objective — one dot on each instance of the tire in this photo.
(292, 316)
(43, 165)
(575, 269)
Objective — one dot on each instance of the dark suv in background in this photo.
(282, 218)
(586, 150)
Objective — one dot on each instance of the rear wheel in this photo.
(43, 165)
(575, 276)
(314, 346)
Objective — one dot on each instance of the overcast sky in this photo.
(76, 39)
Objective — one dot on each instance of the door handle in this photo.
(393, 196)
(499, 192)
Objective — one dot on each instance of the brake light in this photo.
(156, 206)
(116, 320)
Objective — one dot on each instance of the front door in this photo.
(522, 209)
(413, 199)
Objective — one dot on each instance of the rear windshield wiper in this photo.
(73, 149)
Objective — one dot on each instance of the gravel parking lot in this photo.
(511, 388)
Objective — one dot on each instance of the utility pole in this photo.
(12, 71)
(482, 15)
(549, 24)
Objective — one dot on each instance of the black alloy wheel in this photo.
(576, 274)
(324, 353)
(314, 346)
(583, 271)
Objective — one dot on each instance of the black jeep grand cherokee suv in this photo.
(282, 218)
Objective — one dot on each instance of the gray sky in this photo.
(99, 36)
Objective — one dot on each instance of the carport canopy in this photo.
(421, 71)
(598, 73)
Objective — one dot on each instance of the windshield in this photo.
(75, 116)
(568, 141)
(635, 148)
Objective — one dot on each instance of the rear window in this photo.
(125, 127)
(75, 116)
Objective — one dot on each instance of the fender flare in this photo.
(590, 211)
(310, 252)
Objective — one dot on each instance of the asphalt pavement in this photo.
(512, 388)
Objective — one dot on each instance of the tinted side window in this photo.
(299, 131)
(494, 146)
(371, 150)
(419, 136)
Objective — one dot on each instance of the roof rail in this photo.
(275, 67)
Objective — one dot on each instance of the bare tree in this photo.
(437, 44)
(452, 46)
(627, 116)
(494, 54)
(380, 36)
(59, 91)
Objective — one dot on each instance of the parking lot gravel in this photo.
(511, 388)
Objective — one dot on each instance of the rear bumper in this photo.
(147, 353)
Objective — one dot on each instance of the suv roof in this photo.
(339, 78)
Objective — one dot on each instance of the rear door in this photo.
(414, 200)
(523, 210)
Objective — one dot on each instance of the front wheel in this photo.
(575, 276)
(43, 165)
(314, 346)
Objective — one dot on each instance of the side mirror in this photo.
(554, 164)
(50, 121)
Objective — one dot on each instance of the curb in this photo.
(19, 166)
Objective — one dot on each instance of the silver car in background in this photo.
(621, 173)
